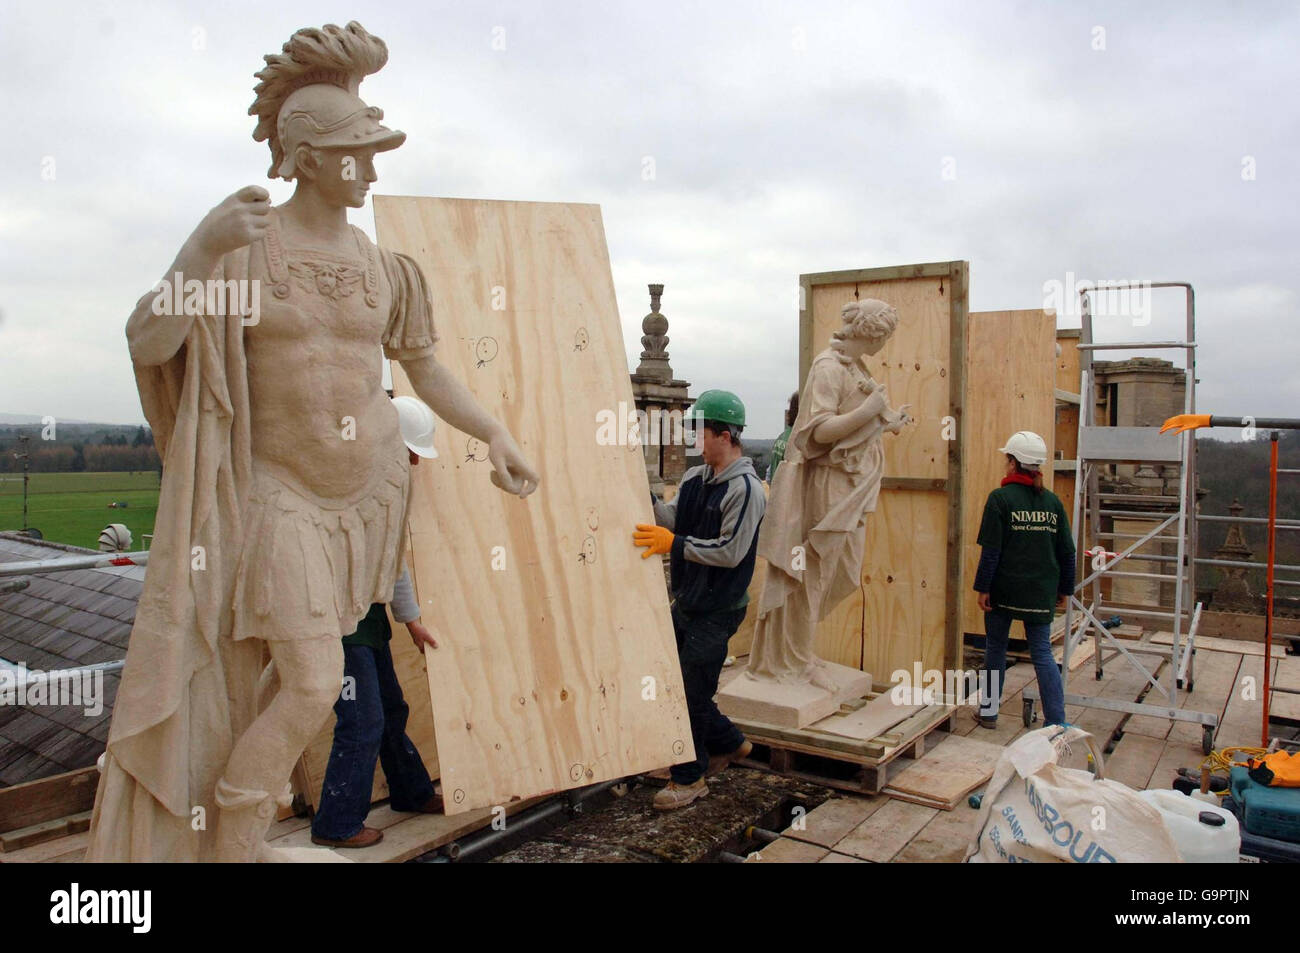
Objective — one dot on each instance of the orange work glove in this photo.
(656, 539)
(1182, 422)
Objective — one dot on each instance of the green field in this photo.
(74, 507)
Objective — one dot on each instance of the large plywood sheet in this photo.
(1010, 380)
(911, 571)
(558, 666)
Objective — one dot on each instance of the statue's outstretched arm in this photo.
(452, 401)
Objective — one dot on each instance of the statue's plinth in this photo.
(791, 705)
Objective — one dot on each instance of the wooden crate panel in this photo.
(904, 582)
(543, 679)
(913, 365)
(1010, 373)
(913, 617)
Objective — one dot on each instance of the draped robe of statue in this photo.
(813, 534)
(190, 688)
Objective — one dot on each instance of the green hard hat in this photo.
(721, 405)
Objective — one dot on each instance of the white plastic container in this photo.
(1200, 837)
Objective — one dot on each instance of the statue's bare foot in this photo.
(819, 674)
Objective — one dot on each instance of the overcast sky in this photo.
(1033, 140)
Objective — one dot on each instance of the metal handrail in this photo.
(28, 567)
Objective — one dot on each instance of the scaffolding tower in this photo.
(1170, 519)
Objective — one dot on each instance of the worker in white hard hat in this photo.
(371, 711)
(1026, 571)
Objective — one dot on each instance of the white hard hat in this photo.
(416, 421)
(1027, 447)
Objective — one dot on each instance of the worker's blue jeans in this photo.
(371, 725)
(702, 648)
(997, 629)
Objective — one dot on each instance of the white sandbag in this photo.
(1034, 810)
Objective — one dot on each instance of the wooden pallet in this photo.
(863, 767)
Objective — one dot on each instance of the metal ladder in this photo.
(1101, 446)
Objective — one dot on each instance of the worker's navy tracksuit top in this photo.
(715, 519)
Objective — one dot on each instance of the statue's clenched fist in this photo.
(239, 220)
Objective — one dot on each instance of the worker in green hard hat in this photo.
(710, 531)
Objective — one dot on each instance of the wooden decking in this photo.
(880, 828)
(406, 836)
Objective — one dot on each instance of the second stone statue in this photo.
(814, 533)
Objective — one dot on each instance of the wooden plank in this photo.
(787, 851)
(834, 858)
(541, 682)
(1134, 759)
(812, 740)
(914, 535)
(886, 831)
(873, 719)
(943, 840)
(1214, 677)
(407, 836)
(946, 774)
(1286, 674)
(1213, 644)
(48, 799)
(1175, 755)
(71, 848)
(831, 820)
(1244, 715)
(47, 830)
(998, 404)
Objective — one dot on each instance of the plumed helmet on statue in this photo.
(307, 95)
(869, 318)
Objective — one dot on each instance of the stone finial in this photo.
(654, 359)
(1233, 591)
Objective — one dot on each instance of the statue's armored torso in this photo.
(320, 420)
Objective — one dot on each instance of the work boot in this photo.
(720, 762)
(431, 806)
(366, 837)
(989, 723)
(679, 795)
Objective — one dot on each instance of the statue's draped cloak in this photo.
(188, 690)
(813, 536)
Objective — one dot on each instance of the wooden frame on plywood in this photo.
(951, 281)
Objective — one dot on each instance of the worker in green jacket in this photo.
(1026, 570)
(778, 448)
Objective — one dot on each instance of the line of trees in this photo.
(85, 450)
